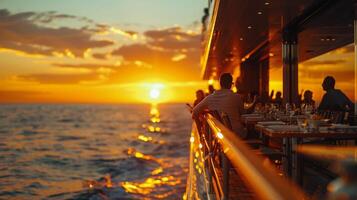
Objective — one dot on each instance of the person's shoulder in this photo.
(338, 91)
(236, 96)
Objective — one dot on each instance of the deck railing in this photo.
(262, 178)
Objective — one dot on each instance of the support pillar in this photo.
(290, 66)
(355, 58)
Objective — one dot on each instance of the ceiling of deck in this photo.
(243, 26)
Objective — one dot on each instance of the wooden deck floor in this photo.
(237, 188)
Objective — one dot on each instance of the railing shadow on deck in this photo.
(260, 177)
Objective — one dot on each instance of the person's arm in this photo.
(199, 108)
(197, 111)
(271, 96)
(189, 107)
(347, 101)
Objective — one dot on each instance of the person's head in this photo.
(328, 83)
(226, 81)
(308, 95)
(205, 10)
(238, 84)
(278, 95)
(200, 94)
(210, 89)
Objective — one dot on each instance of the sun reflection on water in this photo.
(105, 182)
(149, 184)
(161, 176)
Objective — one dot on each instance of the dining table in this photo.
(293, 136)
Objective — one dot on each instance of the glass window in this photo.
(338, 63)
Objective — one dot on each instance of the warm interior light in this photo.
(210, 82)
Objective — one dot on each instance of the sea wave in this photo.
(93, 151)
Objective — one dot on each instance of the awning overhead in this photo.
(245, 26)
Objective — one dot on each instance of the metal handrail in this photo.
(209, 37)
(262, 178)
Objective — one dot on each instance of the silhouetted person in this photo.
(241, 90)
(200, 95)
(334, 99)
(278, 99)
(223, 100)
(308, 99)
(210, 90)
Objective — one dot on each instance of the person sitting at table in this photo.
(334, 99)
(278, 99)
(223, 101)
(241, 90)
(200, 95)
(307, 101)
(210, 90)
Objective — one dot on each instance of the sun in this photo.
(154, 93)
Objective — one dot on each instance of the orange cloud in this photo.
(173, 39)
(21, 32)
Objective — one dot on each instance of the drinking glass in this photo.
(302, 124)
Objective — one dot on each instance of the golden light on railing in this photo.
(219, 135)
(192, 139)
(263, 179)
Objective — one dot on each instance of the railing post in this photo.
(225, 169)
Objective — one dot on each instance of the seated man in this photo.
(223, 100)
(334, 99)
(278, 99)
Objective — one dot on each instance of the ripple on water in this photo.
(68, 137)
(55, 161)
(30, 132)
(35, 185)
(71, 144)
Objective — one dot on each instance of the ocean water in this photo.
(93, 151)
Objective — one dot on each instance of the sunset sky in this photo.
(103, 51)
(118, 51)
